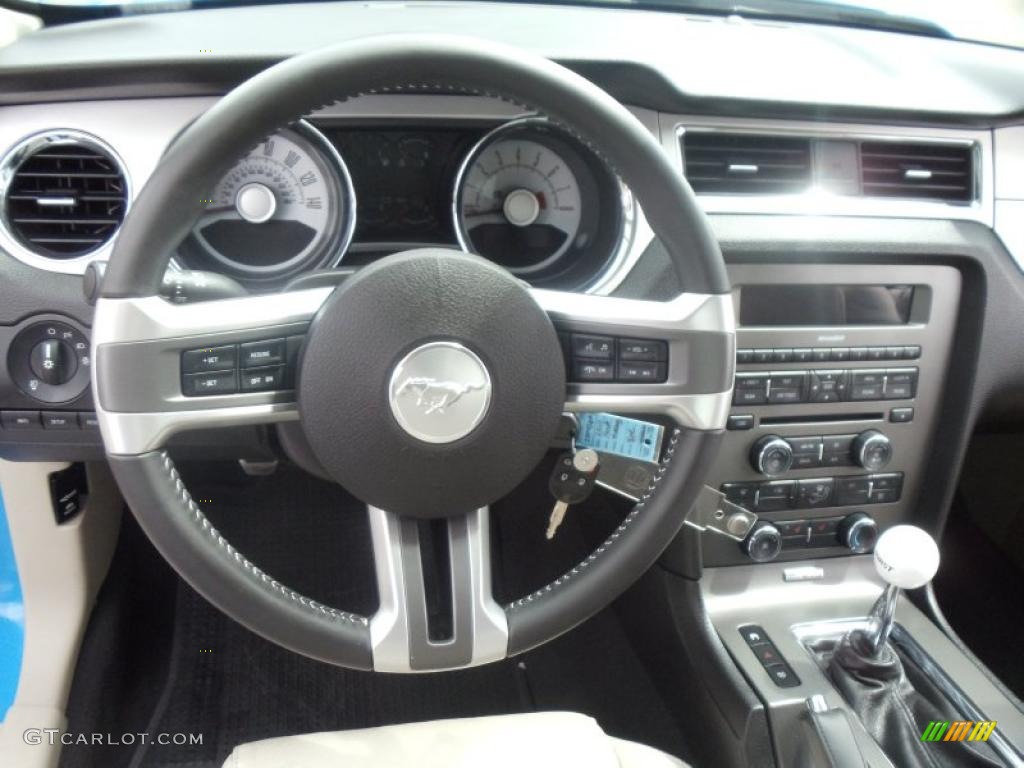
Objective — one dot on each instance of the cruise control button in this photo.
(258, 353)
(263, 379)
(593, 347)
(209, 359)
(199, 384)
(59, 420)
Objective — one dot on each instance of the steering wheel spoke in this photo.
(436, 610)
(144, 394)
(695, 389)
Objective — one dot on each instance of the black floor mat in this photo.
(231, 686)
(981, 592)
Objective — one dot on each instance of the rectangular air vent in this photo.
(726, 163)
(917, 171)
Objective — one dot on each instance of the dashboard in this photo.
(873, 227)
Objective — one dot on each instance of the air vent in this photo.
(65, 195)
(725, 163)
(917, 171)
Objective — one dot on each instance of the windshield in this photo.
(995, 22)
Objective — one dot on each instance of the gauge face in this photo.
(519, 203)
(286, 205)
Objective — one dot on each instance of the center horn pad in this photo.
(431, 383)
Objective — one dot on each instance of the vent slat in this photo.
(66, 201)
(725, 163)
(942, 172)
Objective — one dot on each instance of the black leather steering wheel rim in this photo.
(171, 202)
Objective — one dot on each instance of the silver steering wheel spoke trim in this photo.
(399, 630)
(137, 345)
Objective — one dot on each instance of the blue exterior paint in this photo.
(12, 618)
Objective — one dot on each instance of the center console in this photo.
(839, 376)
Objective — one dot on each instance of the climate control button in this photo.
(763, 544)
(858, 533)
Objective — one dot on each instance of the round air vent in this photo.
(64, 194)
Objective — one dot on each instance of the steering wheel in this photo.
(427, 317)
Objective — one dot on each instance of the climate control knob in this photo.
(763, 543)
(858, 533)
(871, 450)
(771, 455)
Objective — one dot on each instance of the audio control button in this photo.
(771, 455)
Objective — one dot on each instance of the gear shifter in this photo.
(894, 699)
(906, 558)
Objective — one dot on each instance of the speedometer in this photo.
(286, 206)
(536, 201)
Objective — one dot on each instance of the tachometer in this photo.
(286, 206)
(530, 196)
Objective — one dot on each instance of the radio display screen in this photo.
(811, 305)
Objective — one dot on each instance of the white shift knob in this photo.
(906, 557)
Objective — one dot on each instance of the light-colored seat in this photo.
(540, 740)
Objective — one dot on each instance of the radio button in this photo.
(782, 356)
(763, 355)
(867, 385)
(840, 354)
(821, 354)
(858, 353)
(912, 352)
(744, 356)
(901, 383)
(876, 353)
(894, 353)
(803, 355)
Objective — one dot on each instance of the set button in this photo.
(210, 359)
(251, 366)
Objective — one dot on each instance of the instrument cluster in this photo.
(524, 194)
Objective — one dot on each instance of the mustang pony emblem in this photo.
(435, 395)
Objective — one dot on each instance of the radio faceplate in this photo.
(839, 423)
